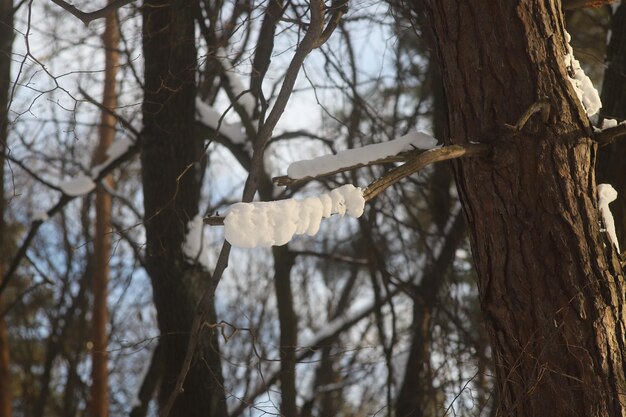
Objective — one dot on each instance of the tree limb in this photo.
(420, 162)
(581, 4)
(88, 17)
(379, 185)
(61, 203)
(606, 136)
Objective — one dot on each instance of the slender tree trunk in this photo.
(610, 168)
(149, 384)
(288, 320)
(550, 283)
(415, 398)
(6, 45)
(283, 263)
(172, 171)
(102, 238)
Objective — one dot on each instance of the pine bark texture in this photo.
(102, 238)
(172, 172)
(6, 45)
(550, 284)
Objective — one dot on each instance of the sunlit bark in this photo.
(551, 287)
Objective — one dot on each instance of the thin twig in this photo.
(541, 106)
(61, 203)
(125, 123)
(339, 325)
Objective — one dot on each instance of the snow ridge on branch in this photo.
(360, 156)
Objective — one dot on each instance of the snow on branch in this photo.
(213, 119)
(586, 92)
(194, 246)
(242, 94)
(77, 186)
(351, 158)
(264, 224)
(606, 195)
(256, 224)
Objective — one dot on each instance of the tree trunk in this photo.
(610, 167)
(551, 287)
(6, 45)
(102, 238)
(172, 170)
(283, 263)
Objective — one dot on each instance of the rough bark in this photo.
(610, 167)
(102, 238)
(6, 45)
(551, 288)
(171, 157)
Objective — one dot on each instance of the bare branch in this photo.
(88, 17)
(339, 8)
(61, 203)
(608, 135)
(420, 162)
(107, 110)
(581, 4)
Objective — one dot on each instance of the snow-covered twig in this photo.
(360, 156)
(287, 181)
(274, 223)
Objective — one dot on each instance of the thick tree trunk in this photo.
(102, 238)
(171, 159)
(550, 284)
(611, 166)
(6, 45)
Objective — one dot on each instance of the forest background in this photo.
(104, 285)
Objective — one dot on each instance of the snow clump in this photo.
(586, 92)
(606, 195)
(274, 223)
(77, 186)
